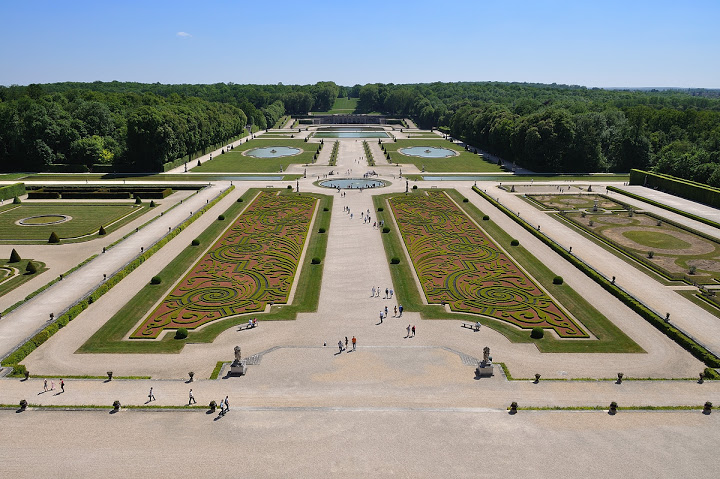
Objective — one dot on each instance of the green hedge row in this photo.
(687, 189)
(368, 154)
(673, 333)
(23, 351)
(11, 191)
(334, 154)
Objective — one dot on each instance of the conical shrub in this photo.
(54, 238)
(16, 201)
(14, 256)
(102, 231)
(31, 268)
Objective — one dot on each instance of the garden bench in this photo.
(473, 326)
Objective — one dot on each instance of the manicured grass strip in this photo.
(251, 265)
(109, 337)
(235, 162)
(610, 339)
(687, 343)
(459, 265)
(217, 369)
(84, 225)
(465, 161)
(14, 358)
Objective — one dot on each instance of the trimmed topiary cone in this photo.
(14, 256)
(16, 201)
(102, 231)
(31, 268)
(54, 238)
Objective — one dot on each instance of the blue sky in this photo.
(591, 43)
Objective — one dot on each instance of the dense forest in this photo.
(545, 128)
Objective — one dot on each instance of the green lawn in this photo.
(610, 339)
(465, 161)
(341, 106)
(235, 162)
(86, 220)
(109, 338)
(13, 275)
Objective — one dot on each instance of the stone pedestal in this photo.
(484, 369)
(238, 368)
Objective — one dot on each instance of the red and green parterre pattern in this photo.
(459, 264)
(251, 265)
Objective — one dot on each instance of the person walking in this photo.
(413, 331)
(346, 342)
(62, 385)
(400, 308)
(340, 345)
(408, 331)
(192, 398)
(52, 384)
(227, 404)
(395, 311)
(378, 291)
(45, 385)
(151, 396)
(373, 292)
(386, 311)
(391, 293)
(354, 342)
(386, 293)
(222, 407)
(381, 316)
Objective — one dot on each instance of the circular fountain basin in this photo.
(352, 183)
(273, 152)
(427, 151)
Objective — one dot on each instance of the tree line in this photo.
(545, 128)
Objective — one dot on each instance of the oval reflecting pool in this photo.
(427, 151)
(352, 183)
(273, 152)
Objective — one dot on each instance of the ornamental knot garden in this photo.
(252, 265)
(458, 264)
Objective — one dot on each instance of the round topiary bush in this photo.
(465, 200)
(156, 280)
(514, 243)
(289, 187)
(486, 218)
(116, 405)
(221, 218)
(181, 333)
(195, 242)
(321, 230)
(23, 404)
(54, 238)
(380, 208)
(239, 200)
(537, 333)
(326, 209)
(14, 256)
(315, 260)
(102, 231)
(414, 187)
(557, 280)
(31, 268)
(386, 229)
(395, 260)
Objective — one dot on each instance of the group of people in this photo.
(345, 347)
(252, 323)
(375, 293)
(52, 385)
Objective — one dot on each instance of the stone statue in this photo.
(485, 367)
(486, 354)
(238, 366)
(238, 356)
